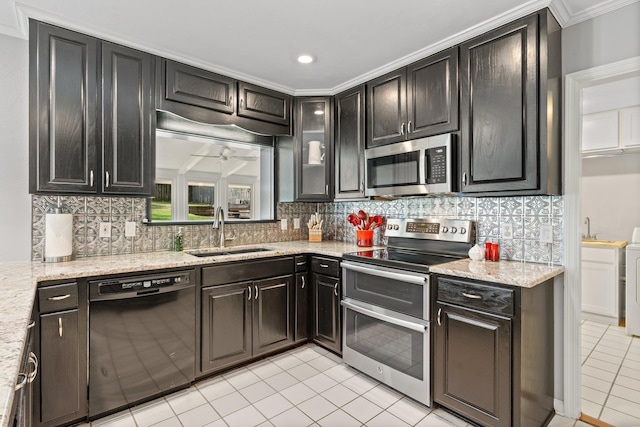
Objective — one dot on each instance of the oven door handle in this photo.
(383, 317)
(375, 271)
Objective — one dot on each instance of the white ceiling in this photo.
(258, 40)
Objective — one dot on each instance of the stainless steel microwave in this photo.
(418, 167)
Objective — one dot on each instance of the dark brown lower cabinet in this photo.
(60, 388)
(243, 320)
(493, 352)
(326, 312)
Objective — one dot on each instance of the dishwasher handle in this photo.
(95, 294)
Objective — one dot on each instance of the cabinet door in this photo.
(600, 291)
(432, 94)
(349, 143)
(190, 85)
(472, 364)
(302, 307)
(226, 325)
(630, 129)
(314, 150)
(63, 133)
(326, 305)
(273, 314)
(263, 104)
(62, 371)
(127, 109)
(600, 131)
(499, 79)
(387, 108)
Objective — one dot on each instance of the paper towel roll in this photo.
(58, 237)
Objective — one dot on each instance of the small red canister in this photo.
(495, 252)
(487, 251)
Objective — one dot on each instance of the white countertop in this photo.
(18, 282)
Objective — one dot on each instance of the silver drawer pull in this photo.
(324, 265)
(472, 296)
(301, 263)
(21, 381)
(59, 297)
(32, 324)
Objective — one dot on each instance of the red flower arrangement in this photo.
(362, 220)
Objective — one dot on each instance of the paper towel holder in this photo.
(52, 250)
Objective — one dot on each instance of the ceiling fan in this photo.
(227, 154)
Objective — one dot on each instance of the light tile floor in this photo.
(610, 374)
(305, 386)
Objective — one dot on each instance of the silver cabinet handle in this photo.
(22, 382)
(409, 127)
(60, 326)
(301, 263)
(230, 99)
(464, 178)
(59, 297)
(303, 283)
(249, 287)
(33, 359)
(326, 189)
(335, 289)
(472, 296)
(32, 324)
(402, 129)
(439, 313)
(255, 296)
(91, 178)
(241, 103)
(107, 178)
(361, 186)
(324, 265)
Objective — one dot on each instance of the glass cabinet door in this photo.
(315, 149)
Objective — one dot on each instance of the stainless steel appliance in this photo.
(418, 167)
(387, 299)
(141, 338)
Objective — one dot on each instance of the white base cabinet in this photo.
(602, 285)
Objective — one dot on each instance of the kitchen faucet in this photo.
(589, 236)
(218, 222)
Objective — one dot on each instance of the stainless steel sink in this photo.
(215, 253)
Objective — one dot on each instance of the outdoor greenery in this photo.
(161, 211)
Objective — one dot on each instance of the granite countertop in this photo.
(604, 244)
(18, 282)
(514, 273)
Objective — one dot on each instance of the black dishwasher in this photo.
(141, 338)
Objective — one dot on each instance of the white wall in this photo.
(15, 202)
(611, 195)
(605, 39)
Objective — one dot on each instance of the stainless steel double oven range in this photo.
(387, 301)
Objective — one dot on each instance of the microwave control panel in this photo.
(436, 165)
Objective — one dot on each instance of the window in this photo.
(196, 174)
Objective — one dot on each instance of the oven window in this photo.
(399, 348)
(395, 170)
(403, 297)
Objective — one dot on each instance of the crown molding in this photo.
(569, 19)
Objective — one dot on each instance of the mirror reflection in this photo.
(196, 174)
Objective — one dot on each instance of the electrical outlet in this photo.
(105, 229)
(506, 230)
(546, 234)
(296, 223)
(283, 224)
(130, 229)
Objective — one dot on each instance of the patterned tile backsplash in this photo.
(526, 214)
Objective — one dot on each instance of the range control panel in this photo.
(452, 230)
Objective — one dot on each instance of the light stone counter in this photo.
(604, 244)
(523, 274)
(18, 283)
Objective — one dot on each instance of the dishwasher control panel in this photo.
(141, 283)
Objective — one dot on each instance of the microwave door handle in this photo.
(422, 170)
(373, 271)
(384, 318)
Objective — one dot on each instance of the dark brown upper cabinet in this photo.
(511, 89)
(211, 98)
(193, 86)
(63, 101)
(415, 101)
(91, 115)
(128, 131)
(350, 143)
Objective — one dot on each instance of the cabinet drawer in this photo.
(326, 266)
(241, 271)
(473, 295)
(59, 297)
(301, 263)
(604, 255)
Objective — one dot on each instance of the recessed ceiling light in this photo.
(306, 59)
